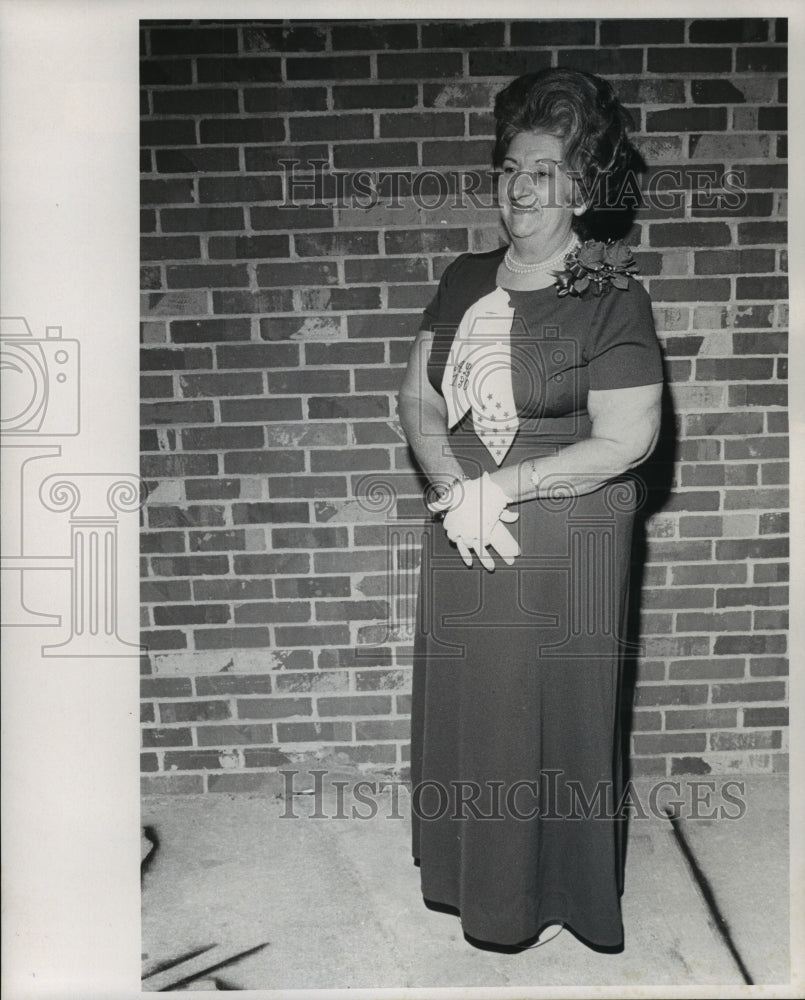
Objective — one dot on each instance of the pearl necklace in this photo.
(518, 267)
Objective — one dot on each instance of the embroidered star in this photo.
(498, 405)
(490, 396)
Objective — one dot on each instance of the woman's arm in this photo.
(625, 427)
(423, 415)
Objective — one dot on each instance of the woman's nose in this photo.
(521, 189)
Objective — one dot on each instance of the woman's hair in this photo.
(583, 111)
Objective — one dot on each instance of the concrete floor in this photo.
(338, 901)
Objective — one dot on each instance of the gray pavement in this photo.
(337, 899)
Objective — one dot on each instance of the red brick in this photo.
(308, 487)
(374, 96)
(701, 718)
(236, 638)
(769, 666)
(234, 735)
(193, 711)
(770, 572)
(639, 32)
(732, 261)
(349, 408)
(341, 128)
(767, 342)
(170, 248)
(679, 597)
(239, 188)
(216, 541)
(386, 729)
(690, 289)
(268, 612)
(260, 409)
(167, 132)
(761, 59)
(167, 737)
(663, 743)
(369, 155)
(749, 691)
(701, 670)
(697, 119)
(173, 359)
(297, 273)
(335, 244)
(284, 38)
(178, 466)
(309, 538)
(738, 369)
(166, 192)
(271, 564)
(157, 591)
(402, 125)
(190, 614)
(716, 92)
(671, 694)
(746, 741)
(689, 60)
(713, 622)
(215, 386)
(207, 276)
(775, 524)
(273, 708)
(336, 586)
(727, 645)
(354, 706)
(767, 287)
(313, 732)
(760, 548)
(731, 597)
(462, 34)
(721, 31)
(689, 765)
(356, 656)
(419, 65)
(762, 232)
(260, 462)
(212, 489)
(172, 784)
(766, 716)
(764, 498)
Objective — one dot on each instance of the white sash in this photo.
(478, 375)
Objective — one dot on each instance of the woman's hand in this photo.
(480, 504)
(500, 539)
(474, 511)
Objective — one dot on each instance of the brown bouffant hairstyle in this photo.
(582, 110)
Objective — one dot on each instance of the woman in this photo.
(532, 389)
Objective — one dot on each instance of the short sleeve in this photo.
(624, 351)
(434, 310)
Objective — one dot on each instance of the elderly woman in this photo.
(532, 389)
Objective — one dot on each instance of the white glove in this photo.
(500, 539)
(480, 504)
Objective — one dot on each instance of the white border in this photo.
(69, 241)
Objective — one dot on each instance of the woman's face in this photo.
(535, 192)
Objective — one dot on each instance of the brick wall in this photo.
(273, 346)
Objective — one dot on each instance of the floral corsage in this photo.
(595, 265)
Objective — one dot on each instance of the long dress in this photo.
(515, 750)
